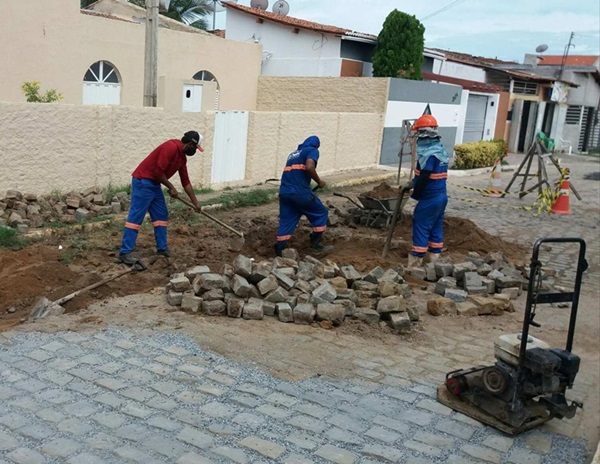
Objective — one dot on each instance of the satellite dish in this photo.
(541, 48)
(260, 4)
(281, 7)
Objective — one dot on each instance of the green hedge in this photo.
(481, 154)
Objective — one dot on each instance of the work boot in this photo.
(414, 261)
(278, 250)
(166, 253)
(316, 245)
(432, 257)
(128, 259)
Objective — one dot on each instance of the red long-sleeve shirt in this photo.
(166, 159)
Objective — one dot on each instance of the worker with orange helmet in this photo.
(429, 189)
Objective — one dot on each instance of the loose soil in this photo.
(44, 270)
(383, 191)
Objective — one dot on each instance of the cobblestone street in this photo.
(133, 382)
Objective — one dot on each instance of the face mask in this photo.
(190, 150)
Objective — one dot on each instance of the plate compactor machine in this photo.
(526, 386)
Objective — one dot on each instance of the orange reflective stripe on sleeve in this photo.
(283, 238)
(441, 175)
(319, 229)
(160, 223)
(131, 225)
(294, 167)
(417, 172)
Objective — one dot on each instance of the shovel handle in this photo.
(70, 296)
(212, 218)
(347, 198)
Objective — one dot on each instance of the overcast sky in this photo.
(506, 29)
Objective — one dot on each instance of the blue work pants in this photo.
(428, 219)
(292, 207)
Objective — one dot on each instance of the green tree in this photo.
(190, 12)
(31, 90)
(399, 49)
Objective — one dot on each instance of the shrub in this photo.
(31, 90)
(480, 154)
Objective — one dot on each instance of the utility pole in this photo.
(151, 54)
(565, 55)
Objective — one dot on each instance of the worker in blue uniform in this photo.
(429, 189)
(297, 199)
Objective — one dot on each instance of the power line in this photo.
(441, 10)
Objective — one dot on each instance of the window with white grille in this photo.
(573, 115)
(525, 88)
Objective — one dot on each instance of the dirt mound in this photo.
(382, 191)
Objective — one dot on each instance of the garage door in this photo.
(475, 120)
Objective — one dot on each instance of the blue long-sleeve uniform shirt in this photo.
(295, 180)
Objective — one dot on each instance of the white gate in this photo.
(101, 93)
(229, 149)
(475, 119)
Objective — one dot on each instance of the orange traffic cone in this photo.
(495, 188)
(562, 204)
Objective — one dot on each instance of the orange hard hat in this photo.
(426, 120)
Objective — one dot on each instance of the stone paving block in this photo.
(50, 415)
(434, 407)
(249, 421)
(7, 441)
(539, 443)
(433, 439)
(217, 409)
(74, 426)
(211, 389)
(83, 387)
(266, 448)
(307, 423)
(347, 423)
(165, 387)
(87, 458)
(313, 410)
(246, 401)
(296, 459)
(13, 420)
(56, 377)
(281, 399)
(455, 429)
(253, 389)
(26, 456)
(82, 408)
(304, 440)
(133, 432)
(523, 456)
(132, 409)
(382, 434)
(417, 417)
(131, 454)
(161, 402)
(482, 453)
(467, 420)
(137, 394)
(30, 385)
(190, 397)
(195, 437)
(60, 448)
(382, 453)
(423, 448)
(40, 356)
(193, 458)
(344, 436)
(231, 454)
(111, 383)
(111, 367)
(25, 402)
(37, 431)
(336, 455)
(223, 430)
(498, 442)
(193, 370)
(392, 424)
(110, 399)
(136, 375)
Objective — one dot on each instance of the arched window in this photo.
(102, 85)
(210, 77)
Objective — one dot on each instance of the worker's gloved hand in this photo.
(198, 207)
(322, 184)
(173, 193)
(408, 186)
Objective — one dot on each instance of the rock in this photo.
(269, 308)
(339, 283)
(33, 210)
(11, 310)
(292, 300)
(82, 214)
(489, 284)
(443, 284)
(180, 283)
(456, 294)
(303, 286)
(206, 282)
(280, 262)
(508, 281)
(494, 257)
(240, 286)
(476, 261)
(260, 272)
(495, 274)
(418, 273)
(284, 312)
(195, 271)
(443, 269)
(227, 285)
(325, 293)
(98, 200)
(289, 272)
(484, 269)
(400, 322)
(290, 253)
(349, 306)
(73, 202)
(174, 298)
(22, 228)
(331, 312)
(191, 302)
(364, 286)
(235, 306)
(387, 288)
(504, 300)
(13, 195)
(487, 306)
(91, 191)
(328, 272)
(303, 298)
(391, 276)
(350, 274)
(15, 219)
(279, 295)
(471, 280)
(115, 207)
(413, 312)
(467, 308)
(441, 306)
(347, 294)
(267, 285)
(283, 279)
(60, 207)
(304, 314)
(214, 308)
(374, 275)
(513, 292)
(461, 269)
(306, 271)
(214, 294)
(430, 274)
(242, 266)
(405, 291)
(391, 304)
(480, 290)
(367, 315)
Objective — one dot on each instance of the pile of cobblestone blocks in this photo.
(300, 291)
(23, 211)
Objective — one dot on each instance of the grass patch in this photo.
(9, 238)
(241, 199)
(57, 195)
(203, 190)
(111, 191)
(74, 250)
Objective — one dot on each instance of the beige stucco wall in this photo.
(332, 94)
(44, 147)
(53, 42)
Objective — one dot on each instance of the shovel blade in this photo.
(237, 244)
(43, 308)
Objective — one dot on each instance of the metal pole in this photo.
(214, 14)
(151, 54)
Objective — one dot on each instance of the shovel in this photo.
(237, 244)
(44, 307)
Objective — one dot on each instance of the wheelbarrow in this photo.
(379, 211)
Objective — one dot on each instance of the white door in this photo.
(229, 149)
(101, 94)
(192, 98)
(475, 119)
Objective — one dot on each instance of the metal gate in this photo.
(229, 148)
(475, 119)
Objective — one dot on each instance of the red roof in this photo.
(572, 60)
(219, 33)
(299, 23)
(107, 16)
(471, 59)
(464, 83)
